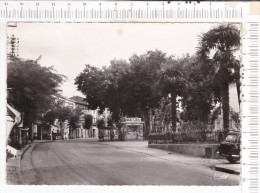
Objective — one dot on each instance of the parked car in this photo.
(230, 147)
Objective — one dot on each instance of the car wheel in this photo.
(232, 160)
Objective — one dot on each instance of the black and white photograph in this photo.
(123, 104)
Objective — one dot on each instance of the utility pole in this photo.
(12, 42)
(12, 46)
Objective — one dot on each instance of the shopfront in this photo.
(133, 128)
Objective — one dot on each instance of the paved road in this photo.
(82, 162)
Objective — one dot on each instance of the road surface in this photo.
(82, 162)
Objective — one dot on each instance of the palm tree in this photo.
(172, 81)
(222, 42)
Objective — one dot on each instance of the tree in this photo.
(100, 124)
(223, 42)
(31, 87)
(90, 83)
(114, 86)
(57, 110)
(101, 127)
(162, 115)
(144, 72)
(75, 118)
(125, 88)
(197, 100)
(172, 81)
(109, 122)
(88, 121)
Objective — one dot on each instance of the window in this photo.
(231, 138)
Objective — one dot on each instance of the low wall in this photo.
(200, 150)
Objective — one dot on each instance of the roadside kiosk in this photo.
(133, 128)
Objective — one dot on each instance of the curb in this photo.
(21, 152)
(18, 162)
(227, 170)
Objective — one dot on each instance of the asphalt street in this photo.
(83, 162)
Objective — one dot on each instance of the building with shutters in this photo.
(80, 132)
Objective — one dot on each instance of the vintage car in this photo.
(230, 147)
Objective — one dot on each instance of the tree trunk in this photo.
(20, 137)
(146, 124)
(150, 120)
(174, 110)
(32, 132)
(41, 133)
(225, 106)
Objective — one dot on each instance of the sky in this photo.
(69, 46)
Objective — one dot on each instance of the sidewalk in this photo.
(142, 147)
(13, 174)
(13, 171)
(12, 177)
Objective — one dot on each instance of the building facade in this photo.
(80, 132)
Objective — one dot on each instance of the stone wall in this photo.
(200, 150)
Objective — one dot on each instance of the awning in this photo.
(17, 116)
(13, 110)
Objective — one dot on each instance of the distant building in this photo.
(73, 102)
(95, 116)
(93, 131)
(79, 102)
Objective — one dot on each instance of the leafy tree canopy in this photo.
(221, 42)
(31, 87)
(125, 88)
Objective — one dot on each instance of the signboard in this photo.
(133, 119)
(133, 124)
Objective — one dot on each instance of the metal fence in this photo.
(125, 138)
(187, 137)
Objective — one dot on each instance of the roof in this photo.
(74, 99)
(79, 100)
(12, 110)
